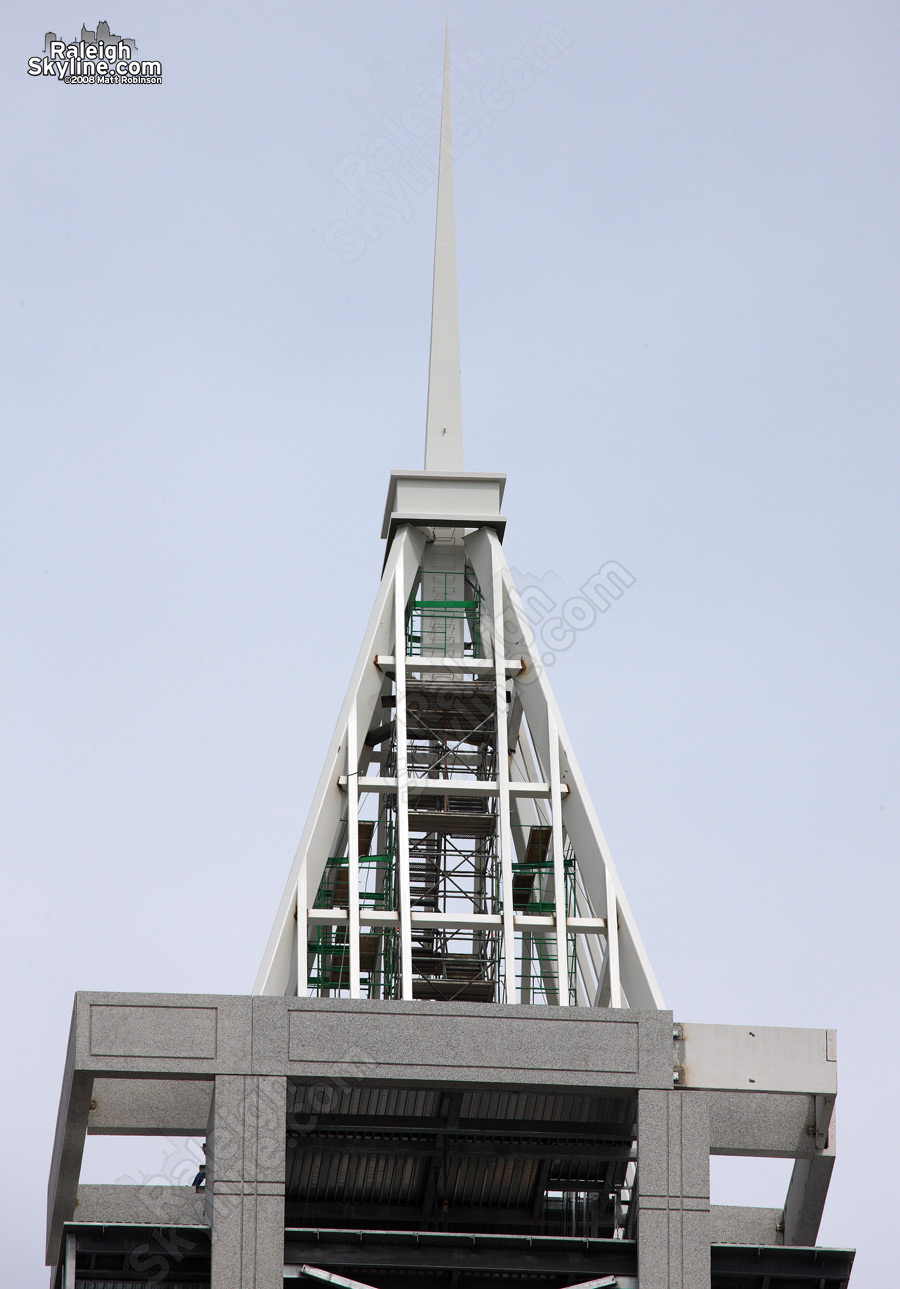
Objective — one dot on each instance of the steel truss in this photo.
(452, 851)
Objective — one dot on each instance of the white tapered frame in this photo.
(282, 971)
(622, 971)
(632, 981)
(611, 965)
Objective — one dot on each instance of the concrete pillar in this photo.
(807, 1191)
(673, 1191)
(245, 1181)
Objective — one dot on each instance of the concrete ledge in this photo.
(734, 1224)
(140, 1205)
(183, 1036)
(760, 1058)
(777, 1125)
(461, 1044)
(150, 1107)
(188, 1034)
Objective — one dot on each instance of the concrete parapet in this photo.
(458, 1044)
(140, 1205)
(168, 1034)
(484, 1043)
(734, 1224)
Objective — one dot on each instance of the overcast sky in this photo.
(678, 280)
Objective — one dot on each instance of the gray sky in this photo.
(678, 273)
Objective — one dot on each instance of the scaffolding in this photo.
(453, 835)
(438, 625)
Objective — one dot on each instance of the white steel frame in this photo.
(538, 781)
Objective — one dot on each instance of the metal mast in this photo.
(443, 428)
(452, 851)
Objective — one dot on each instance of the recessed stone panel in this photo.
(463, 1042)
(137, 1030)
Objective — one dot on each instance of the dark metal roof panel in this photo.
(549, 1107)
(320, 1176)
(328, 1099)
(487, 1182)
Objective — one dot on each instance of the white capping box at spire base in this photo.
(455, 1067)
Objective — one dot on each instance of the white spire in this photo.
(523, 903)
(443, 428)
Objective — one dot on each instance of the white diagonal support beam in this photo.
(630, 976)
(276, 974)
(327, 1277)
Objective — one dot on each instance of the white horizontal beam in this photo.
(547, 922)
(534, 921)
(341, 917)
(454, 666)
(586, 926)
(455, 921)
(453, 787)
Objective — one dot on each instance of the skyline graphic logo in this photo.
(97, 57)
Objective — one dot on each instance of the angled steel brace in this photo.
(277, 969)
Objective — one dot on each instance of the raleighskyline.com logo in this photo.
(98, 58)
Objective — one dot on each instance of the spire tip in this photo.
(443, 428)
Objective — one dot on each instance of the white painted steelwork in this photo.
(329, 1277)
(452, 850)
(582, 942)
